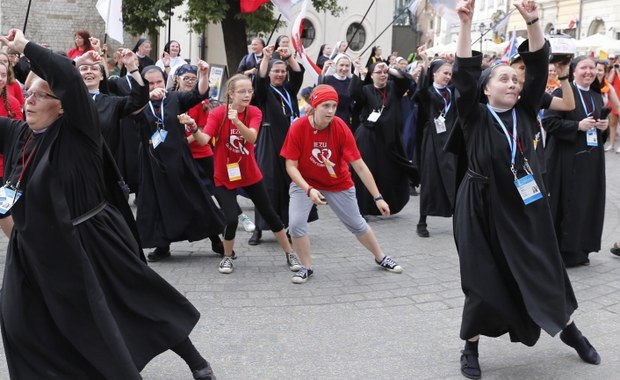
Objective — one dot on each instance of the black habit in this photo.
(576, 176)
(511, 270)
(77, 301)
(173, 204)
(277, 117)
(437, 167)
(380, 144)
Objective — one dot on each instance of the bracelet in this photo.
(534, 21)
(563, 78)
(378, 198)
(309, 190)
(134, 71)
(166, 66)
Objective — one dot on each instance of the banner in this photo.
(298, 27)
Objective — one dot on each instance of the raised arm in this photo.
(64, 81)
(529, 11)
(567, 101)
(465, 11)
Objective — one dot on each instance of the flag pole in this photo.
(383, 31)
(26, 19)
(357, 29)
(275, 26)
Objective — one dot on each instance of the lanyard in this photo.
(583, 103)
(160, 119)
(447, 104)
(286, 99)
(94, 94)
(25, 161)
(512, 139)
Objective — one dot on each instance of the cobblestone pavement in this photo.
(352, 320)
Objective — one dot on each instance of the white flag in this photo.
(285, 7)
(112, 13)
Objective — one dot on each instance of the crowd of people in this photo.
(505, 148)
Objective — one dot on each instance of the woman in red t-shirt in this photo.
(234, 127)
(318, 149)
(82, 44)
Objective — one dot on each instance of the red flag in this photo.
(249, 6)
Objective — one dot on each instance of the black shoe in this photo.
(256, 236)
(422, 231)
(470, 367)
(615, 249)
(580, 343)
(205, 373)
(159, 253)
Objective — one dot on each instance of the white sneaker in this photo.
(226, 265)
(247, 223)
(608, 147)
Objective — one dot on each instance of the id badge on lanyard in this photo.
(234, 171)
(158, 137)
(592, 137)
(440, 124)
(528, 189)
(8, 197)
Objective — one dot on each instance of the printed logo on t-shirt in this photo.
(236, 142)
(321, 154)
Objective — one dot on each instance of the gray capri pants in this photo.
(343, 203)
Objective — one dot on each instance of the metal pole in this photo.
(383, 31)
(355, 32)
(275, 26)
(26, 19)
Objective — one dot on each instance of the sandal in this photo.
(470, 367)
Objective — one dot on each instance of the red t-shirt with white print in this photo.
(231, 147)
(322, 156)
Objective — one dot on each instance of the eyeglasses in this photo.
(40, 95)
(189, 79)
(85, 68)
(243, 92)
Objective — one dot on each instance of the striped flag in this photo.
(298, 27)
(511, 49)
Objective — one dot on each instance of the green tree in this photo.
(141, 16)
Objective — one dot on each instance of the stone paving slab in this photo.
(353, 320)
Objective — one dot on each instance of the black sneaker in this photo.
(389, 264)
(159, 253)
(205, 373)
(293, 262)
(422, 231)
(302, 275)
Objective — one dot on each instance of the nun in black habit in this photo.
(77, 301)
(436, 118)
(277, 99)
(511, 270)
(576, 166)
(173, 204)
(379, 138)
(121, 136)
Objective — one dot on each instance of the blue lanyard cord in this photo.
(512, 140)
(161, 111)
(583, 103)
(447, 104)
(286, 99)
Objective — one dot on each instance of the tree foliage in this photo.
(141, 16)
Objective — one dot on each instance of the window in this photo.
(308, 34)
(360, 36)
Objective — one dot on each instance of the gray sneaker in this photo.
(302, 276)
(389, 264)
(226, 265)
(293, 262)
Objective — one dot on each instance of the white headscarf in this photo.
(333, 69)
